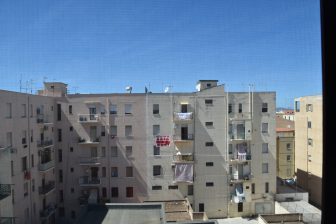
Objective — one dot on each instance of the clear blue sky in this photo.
(101, 46)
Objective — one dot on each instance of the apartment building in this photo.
(214, 148)
(309, 146)
(285, 130)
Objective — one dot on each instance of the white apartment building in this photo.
(215, 148)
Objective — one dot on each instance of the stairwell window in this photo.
(264, 147)
(264, 108)
(240, 108)
(309, 124)
(70, 109)
(264, 128)
(230, 108)
(156, 109)
(128, 109)
(114, 171)
(265, 168)
(310, 141)
(156, 170)
(266, 187)
(128, 131)
(297, 106)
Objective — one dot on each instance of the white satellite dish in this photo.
(129, 89)
(167, 89)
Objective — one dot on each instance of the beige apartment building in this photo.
(308, 146)
(285, 130)
(214, 148)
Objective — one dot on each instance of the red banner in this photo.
(162, 141)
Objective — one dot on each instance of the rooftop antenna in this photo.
(128, 89)
(167, 89)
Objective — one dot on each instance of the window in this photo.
(71, 169)
(129, 171)
(24, 163)
(102, 130)
(310, 141)
(309, 124)
(61, 211)
(266, 187)
(73, 214)
(240, 207)
(156, 170)
(209, 164)
(114, 171)
(156, 150)
(31, 110)
(24, 110)
(59, 135)
(264, 127)
(60, 176)
(104, 193)
(70, 109)
(184, 108)
(129, 151)
(230, 108)
(253, 188)
(103, 151)
(209, 184)
(156, 109)
(288, 146)
(71, 149)
(61, 198)
(128, 108)
(297, 106)
(114, 192)
(240, 108)
(208, 144)
(70, 128)
(201, 207)
(104, 171)
(129, 192)
(156, 130)
(114, 151)
(114, 130)
(230, 149)
(172, 187)
(309, 107)
(264, 147)
(8, 110)
(288, 158)
(190, 189)
(208, 102)
(265, 168)
(113, 109)
(24, 137)
(264, 108)
(12, 168)
(155, 188)
(25, 189)
(32, 160)
(209, 124)
(128, 131)
(59, 112)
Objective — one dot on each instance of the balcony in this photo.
(183, 138)
(88, 118)
(48, 211)
(240, 158)
(47, 188)
(239, 116)
(183, 158)
(43, 119)
(7, 149)
(44, 143)
(241, 178)
(86, 181)
(5, 191)
(93, 141)
(46, 165)
(89, 161)
(183, 117)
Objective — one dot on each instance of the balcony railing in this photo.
(44, 143)
(240, 116)
(89, 181)
(5, 191)
(87, 118)
(241, 178)
(43, 119)
(181, 138)
(43, 190)
(183, 158)
(7, 149)
(90, 141)
(183, 117)
(46, 166)
(48, 211)
(89, 160)
(242, 157)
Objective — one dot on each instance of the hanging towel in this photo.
(184, 172)
(184, 116)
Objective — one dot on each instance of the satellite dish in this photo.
(129, 89)
(167, 89)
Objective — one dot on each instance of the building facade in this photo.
(309, 146)
(215, 148)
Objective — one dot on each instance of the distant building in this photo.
(285, 131)
(287, 114)
(68, 151)
(309, 146)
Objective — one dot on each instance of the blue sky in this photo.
(102, 46)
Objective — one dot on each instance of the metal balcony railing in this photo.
(83, 118)
(49, 210)
(44, 143)
(89, 160)
(89, 181)
(43, 190)
(242, 157)
(42, 119)
(181, 117)
(188, 137)
(46, 165)
(239, 116)
(90, 141)
(5, 191)
(241, 178)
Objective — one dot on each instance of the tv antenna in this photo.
(128, 89)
